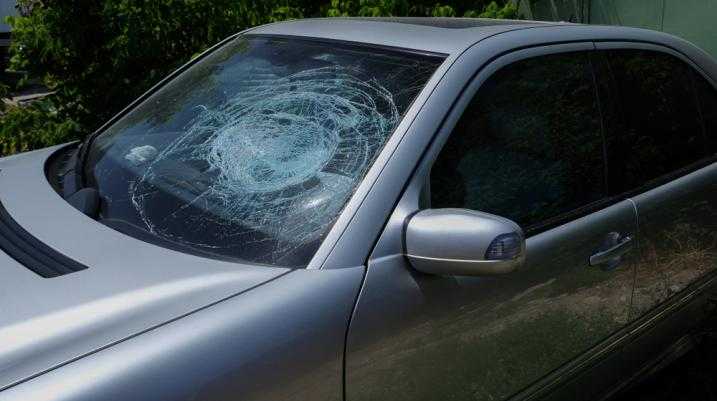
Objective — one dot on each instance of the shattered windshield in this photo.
(252, 153)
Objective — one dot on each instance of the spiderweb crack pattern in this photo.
(281, 157)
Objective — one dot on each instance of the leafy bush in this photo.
(3, 94)
(34, 126)
(98, 55)
(493, 10)
(431, 8)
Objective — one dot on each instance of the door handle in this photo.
(612, 254)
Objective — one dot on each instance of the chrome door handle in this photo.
(613, 253)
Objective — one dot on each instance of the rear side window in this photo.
(707, 96)
(529, 145)
(662, 130)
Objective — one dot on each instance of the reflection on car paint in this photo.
(678, 246)
(485, 347)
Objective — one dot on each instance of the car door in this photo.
(662, 148)
(528, 146)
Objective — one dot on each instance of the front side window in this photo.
(529, 145)
(252, 153)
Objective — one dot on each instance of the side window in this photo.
(529, 145)
(661, 131)
(707, 96)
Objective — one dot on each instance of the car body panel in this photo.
(421, 337)
(434, 337)
(405, 312)
(383, 33)
(677, 221)
(628, 356)
(678, 241)
(130, 285)
(281, 341)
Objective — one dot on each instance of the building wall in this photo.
(694, 20)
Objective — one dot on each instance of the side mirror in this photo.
(463, 242)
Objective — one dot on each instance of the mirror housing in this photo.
(463, 242)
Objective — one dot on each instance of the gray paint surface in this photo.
(434, 39)
(281, 341)
(131, 285)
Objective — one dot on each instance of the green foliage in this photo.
(3, 94)
(368, 8)
(443, 11)
(37, 125)
(99, 55)
(493, 10)
(431, 8)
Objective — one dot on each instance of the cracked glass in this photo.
(252, 153)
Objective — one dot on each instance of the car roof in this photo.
(452, 36)
(436, 34)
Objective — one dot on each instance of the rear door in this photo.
(527, 144)
(661, 146)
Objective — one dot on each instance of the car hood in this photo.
(129, 286)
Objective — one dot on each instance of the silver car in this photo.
(372, 209)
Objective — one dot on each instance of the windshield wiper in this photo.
(81, 159)
(84, 199)
(87, 201)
